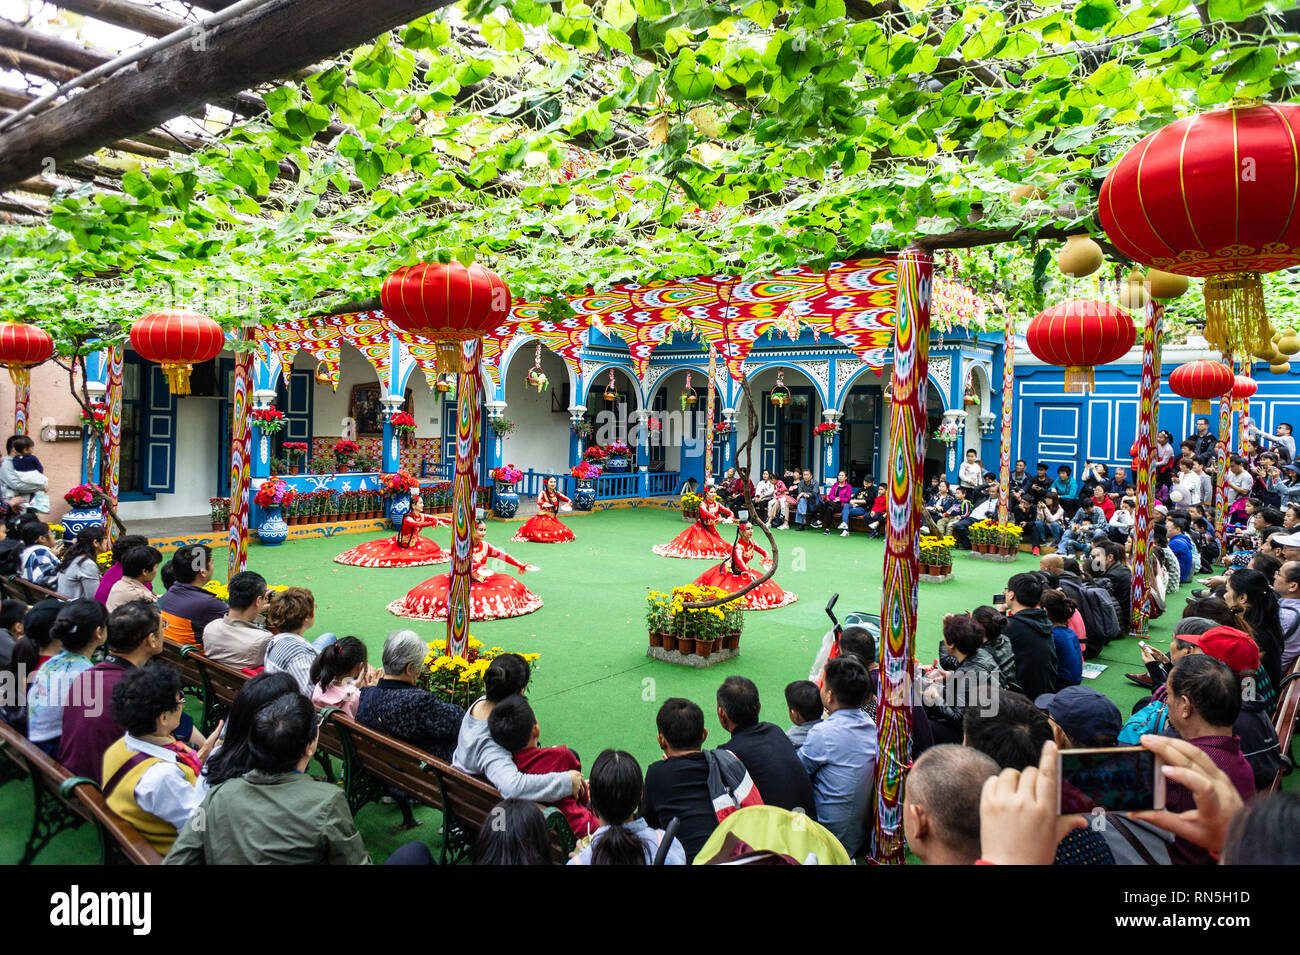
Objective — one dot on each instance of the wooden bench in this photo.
(64, 801)
(27, 591)
(1284, 718)
(375, 765)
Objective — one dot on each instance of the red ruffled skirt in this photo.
(769, 596)
(388, 553)
(543, 529)
(493, 599)
(695, 542)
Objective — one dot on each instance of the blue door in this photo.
(159, 439)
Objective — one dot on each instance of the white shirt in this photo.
(1190, 485)
(971, 473)
(985, 509)
(163, 790)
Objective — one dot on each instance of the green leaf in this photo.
(1095, 14)
(619, 13)
(503, 34)
(693, 79)
(1233, 10)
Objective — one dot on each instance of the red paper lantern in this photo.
(1243, 387)
(1215, 196)
(177, 340)
(1080, 334)
(447, 304)
(1202, 381)
(21, 347)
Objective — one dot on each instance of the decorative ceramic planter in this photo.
(617, 465)
(398, 508)
(80, 517)
(584, 496)
(505, 502)
(273, 530)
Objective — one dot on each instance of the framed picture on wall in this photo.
(365, 409)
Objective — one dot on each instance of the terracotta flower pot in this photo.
(668, 641)
(293, 469)
(703, 647)
(731, 641)
(656, 638)
(945, 570)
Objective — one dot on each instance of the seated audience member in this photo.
(232, 758)
(1030, 633)
(396, 706)
(33, 649)
(994, 624)
(186, 607)
(974, 681)
(135, 578)
(513, 726)
(840, 753)
(1081, 718)
(700, 788)
(236, 639)
(835, 504)
(11, 628)
(290, 614)
(151, 779)
(38, 563)
(1069, 656)
(477, 753)
(765, 750)
(1286, 582)
(941, 804)
(78, 572)
(1109, 569)
(516, 836)
(134, 638)
(121, 547)
(622, 838)
(275, 814)
(1204, 701)
(1014, 737)
(804, 701)
(339, 673)
(78, 630)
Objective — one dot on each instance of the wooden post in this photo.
(241, 450)
(1008, 387)
(898, 601)
(464, 491)
(112, 469)
(1148, 424)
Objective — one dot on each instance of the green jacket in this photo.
(265, 819)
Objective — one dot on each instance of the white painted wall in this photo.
(198, 430)
(541, 440)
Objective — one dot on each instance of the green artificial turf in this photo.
(594, 686)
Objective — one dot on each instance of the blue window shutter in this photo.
(298, 407)
(159, 435)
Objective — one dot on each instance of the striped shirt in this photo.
(291, 654)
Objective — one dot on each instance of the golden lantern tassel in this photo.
(20, 375)
(178, 378)
(1078, 379)
(449, 356)
(1200, 406)
(1235, 303)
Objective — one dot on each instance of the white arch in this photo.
(592, 380)
(517, 344)
(934, 387)
(662, 380)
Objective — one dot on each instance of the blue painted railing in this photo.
(608, 486)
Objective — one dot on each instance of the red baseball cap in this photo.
(1228, 644)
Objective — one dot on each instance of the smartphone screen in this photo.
(999, 599)
(1124, 779)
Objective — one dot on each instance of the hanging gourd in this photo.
(1081, 256)
(1132, 291)
(611, 392)
(780, 396)
(177, 340)
(21, 347)
(688, 394)
(1202, 382)
(536, 378)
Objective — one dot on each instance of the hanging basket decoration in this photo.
(689, 397)
(536, 378)
(443, 386)
(611, 392)
(780, 396)
(1202, 382)
(1080, 334)
(1243, 387)
(178, 341)
(447, 304)
(21, 347)
(1213, 196)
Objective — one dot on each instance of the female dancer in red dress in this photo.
(544, 527)
(735, 573)
(408, 549)
(700, 539)
(492, 595)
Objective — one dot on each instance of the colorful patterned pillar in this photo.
(708, 417)
(1222, 450)
(1148, 418)
(898, 602)
(112, 468)
(241, 450)
(1008, 392)
(22, 397)
(1243, 409)
(464, 492)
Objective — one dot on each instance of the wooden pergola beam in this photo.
(140, 17)
(17, 37)
(262, 46)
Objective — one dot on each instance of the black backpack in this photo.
(1099, 611)
(11, 552)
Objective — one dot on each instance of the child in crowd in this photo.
(622, 839)
(1121, 524)
(959, 508)
(30, 465)
(38, 564)
(513, 726)
(805, 703)
(1069, 655)
(339, 672)
(11, 629)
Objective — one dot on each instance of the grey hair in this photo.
(1191, 626)
(401, 649)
